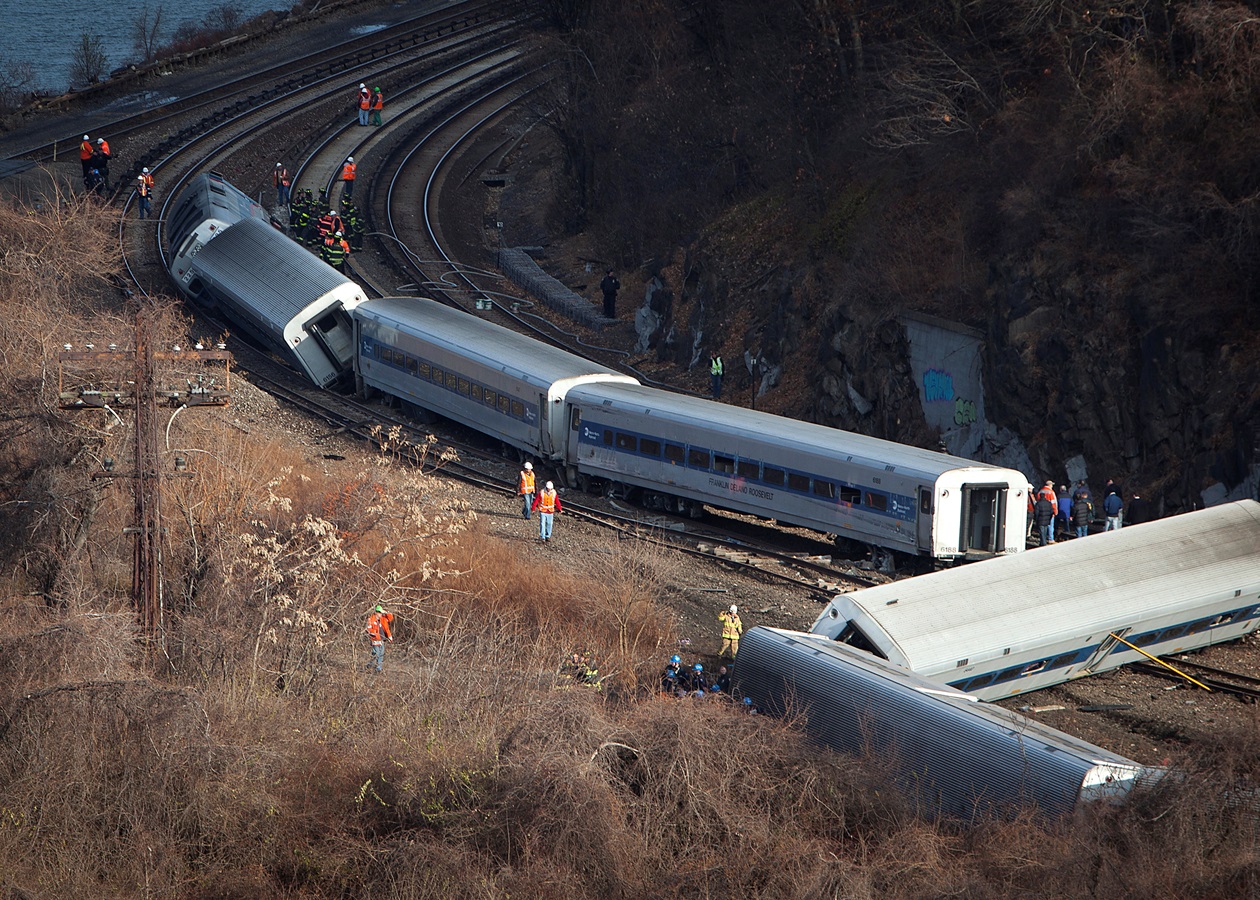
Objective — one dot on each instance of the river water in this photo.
(45, 34)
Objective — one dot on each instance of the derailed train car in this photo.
(951, 755)
(679, 452)
(471, 371)
(1065, 611)
(235, 262)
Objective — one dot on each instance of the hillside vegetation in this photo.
(246, 751)
(1077, 181)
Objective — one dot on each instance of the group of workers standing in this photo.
(1056, 515)
(95, 157)
(545, 502)
(370, 104)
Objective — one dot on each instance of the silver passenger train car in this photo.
(681, 452)
(1008, 626)
(952, 755)
(234, 261)
(471, 371)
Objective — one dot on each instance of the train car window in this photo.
(492, 399)
(327, 324)
(1008, 674)
(850, 495)
(1063, 660)
(476, 392)
(505, 403)
(438, 375)
(674, 453)
(824, 489)
(854, 637)
(980, 681)
(746, 468)
(413, 365)
(424, 371)
(1145, 640)
(649, 447)
(798, 482)
(1033, 667)
(925, 501)
(1176, 631)
(452, 381)
(773, 476)
(697, 458)
(608, 437)
(724, 464)
(518, 409)
(625, 441)
(876, 501)
(465, 387)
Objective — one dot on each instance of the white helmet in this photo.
(362, 85)
(278, 166)
(550, 486)
(145, 170)
(139, 178)
(529, 467)
(734, 608)
(349, 159)
(331, 212)
(86, 138)
(338, 234)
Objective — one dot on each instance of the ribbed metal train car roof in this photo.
(869, 451)
(1066, 590)
(954, 755)
(492, 345)
(276, 293)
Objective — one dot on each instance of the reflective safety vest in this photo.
(335, 250)
(282, 177)
(85, 150)
(715, 366)
(547, 502)
(378, 102)
(378, 627)
(325, 225)
(732, 627)
(103, 148)
(347, 171)
(148, 183)
(365, 99)
(527, 482)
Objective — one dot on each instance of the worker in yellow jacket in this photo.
(732, 628)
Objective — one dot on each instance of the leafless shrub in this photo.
(87, 59)
(146, 27)
(16, 80)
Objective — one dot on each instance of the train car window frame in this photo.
(723, 464)
(698, 458)
(625, 441)
(476, 393)
(465, 387)
(878, 502)
(505, 404)
(413, 366)
(798, 482)
(850, 495)
(650, 447)
(925, 501)
(607, 437)
(575, 419)
(774, 475)
(424, 371)
(675, 453)
(748, 468)
(824, 488)
(452, 380)
(437, 376)
(518, 409)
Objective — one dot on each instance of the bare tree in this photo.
(16, 79)
(87, 62)
(145, 28)
(224, 17)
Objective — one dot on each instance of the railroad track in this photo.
(1236, 684)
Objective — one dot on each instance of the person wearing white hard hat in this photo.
(548, 504)
(525, 487)
(281, 179)
(347, 176)
(85, 155)
(365, 103)
(732, 628)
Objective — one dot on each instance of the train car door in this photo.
(923, 528)
(983, 527)
(545, 443)
(1105, 649)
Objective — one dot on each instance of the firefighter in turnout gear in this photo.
(378, 631)
(732, 628)
(335, 251)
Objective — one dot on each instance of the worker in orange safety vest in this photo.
(548, 504)
(378, 104)
(365, 103)
(378, 632)
(348, 170)
(525, 487)
(85, 154)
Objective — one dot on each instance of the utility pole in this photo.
(82, 386)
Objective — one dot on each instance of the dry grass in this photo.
(254, 755)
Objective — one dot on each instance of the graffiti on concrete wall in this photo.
(938, 387)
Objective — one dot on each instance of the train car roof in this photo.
(1087, 586)
(279, 293)
(485, 342)
(748, 424)
(960, 756)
